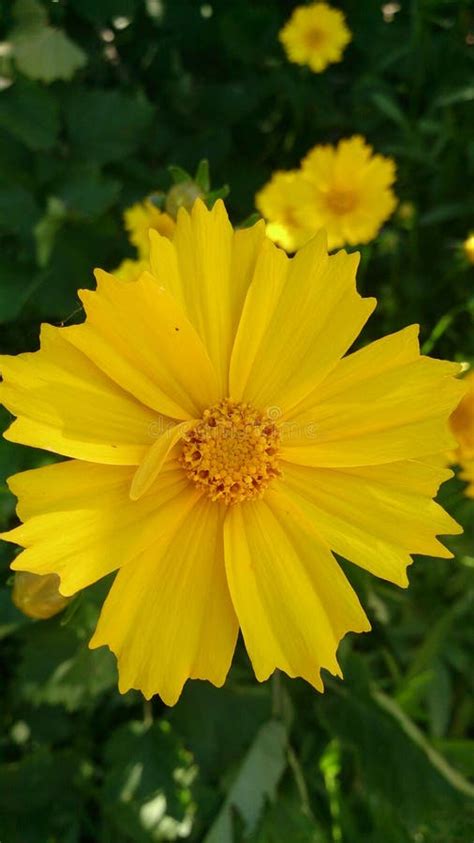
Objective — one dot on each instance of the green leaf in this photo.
(30, 113)
(88, 193)
(11, 618)
(47, 54)
(16, 285)
(459, 752)
(286, 823)
(46, 229)
(103, 11)
(219, 193)
(439, 699)
(202, 717)
(178, 174)
(449, 211)
(455, 779)
(80, 248)
(390, 108)
(18, 210)
(29, 13)
(202, 177)
(148, 783)
(56, 665)
(464, 94)
(106, 126)
(256, 781)
(40, 780)
(392, 756)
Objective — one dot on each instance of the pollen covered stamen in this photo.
(232, 452)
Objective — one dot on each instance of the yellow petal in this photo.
(81, 523)
(374, 516)
(208, 269)
(140, 337)
(197, 298)
(292, 600)
(309, 313)
(149, 469)
(203, 242)
(389, 412)
(66, 404)
(168, 616)
(389, 352)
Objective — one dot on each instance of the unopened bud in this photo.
(181, 195)
(38, 596)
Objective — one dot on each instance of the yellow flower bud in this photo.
(182, 195)
(38, 596)
(406, 213)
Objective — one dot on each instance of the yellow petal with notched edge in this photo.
(389, 415)
(81, 524)
(198, 299)
(309, 313)
(292, 600)
(67, 405)
(208, 267)
(152, 464)
(141, 338)
(168, 616)
(390, 352)
(203, 242)
(375, 516)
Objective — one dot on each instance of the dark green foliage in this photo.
(135, 87)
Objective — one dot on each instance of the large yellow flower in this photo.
(462, 425)
(315, 35)
(352, 190)
(140, 218)
(223, 447)
(286, 201)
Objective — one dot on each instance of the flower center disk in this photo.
(232, 452)
(341, 201)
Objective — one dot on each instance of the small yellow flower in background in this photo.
(467, 474)
(315, 35)
(130, 270)
(287, 202)
(353, 193)
(38, 596)
(223, 445)
(462, 425)
(142, 217)
(345, 190)
(468, 248)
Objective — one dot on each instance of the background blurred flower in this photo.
(315, 35)
(462, 420)
(353, 193)
(462, 425)
(468, 247)
(130, 270)
(140, 218)
(286, 201)
(467, 474)
(345, 190)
